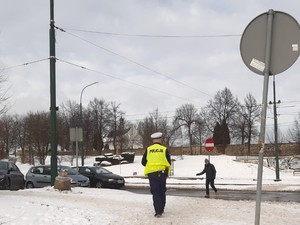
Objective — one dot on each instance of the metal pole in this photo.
(81, 125)
(81, 122)
(263, 115)
(53, 107)
(76, 143)
(275, 133)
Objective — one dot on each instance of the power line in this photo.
(24, 64)
(134, 62)
(154, 35)
(117, 78)
(290, 101)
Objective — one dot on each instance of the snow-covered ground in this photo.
(231, 174)
(109, 207)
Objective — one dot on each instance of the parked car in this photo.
(11, 178)
(101, 177)
(40, 176)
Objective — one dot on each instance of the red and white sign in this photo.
(209, 144)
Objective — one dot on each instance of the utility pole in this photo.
(53, 107)
(275, 131)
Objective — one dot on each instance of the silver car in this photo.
(40, 176)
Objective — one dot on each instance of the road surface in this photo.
(226, 194)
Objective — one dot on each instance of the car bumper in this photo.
(115, 183)
(80, 184)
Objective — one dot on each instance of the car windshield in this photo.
(99, 170)
(3, 165)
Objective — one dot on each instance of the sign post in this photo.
(209, 145)
(76, 136)
(269, 46)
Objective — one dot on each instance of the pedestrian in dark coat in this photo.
(210, 171)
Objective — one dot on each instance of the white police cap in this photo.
(156, 135)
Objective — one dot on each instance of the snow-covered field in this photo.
(109, 207)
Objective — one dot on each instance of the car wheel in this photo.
(7, 186)
(99, 184)
(22, 185)
(29, 185)
(122, 187)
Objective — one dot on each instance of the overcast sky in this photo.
(110, 39)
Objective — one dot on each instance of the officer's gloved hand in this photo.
(197, 174)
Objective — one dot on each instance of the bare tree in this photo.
(187, 117)
(294, 132)
(239, 127)
(88, 130)
(3, 95)
(244, 126)
(21, 134)
(3, 109)
(68, 116)
(99, 114)
(115, 115)
(224, 106)
(122, 134)
(7, 137)
(281, 138)
(162, 124)
(252, 116)
(145, 129)
(153, 123)
(133, 136)
(38, 135)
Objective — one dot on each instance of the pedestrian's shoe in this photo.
(157, 215)
(217, 193)
(206, 196)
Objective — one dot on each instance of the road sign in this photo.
(285, 43)
(76, 134)
(269, 46)
(209, 144)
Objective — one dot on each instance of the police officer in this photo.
(157, 161)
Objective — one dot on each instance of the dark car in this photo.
(11, 178)
(100, 177)
(40, 176)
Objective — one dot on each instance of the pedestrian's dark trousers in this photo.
(212, 184)
(158, 190)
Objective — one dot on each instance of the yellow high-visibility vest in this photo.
(156, 159)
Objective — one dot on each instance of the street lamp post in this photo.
(81, 123)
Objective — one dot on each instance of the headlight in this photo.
(111, 180)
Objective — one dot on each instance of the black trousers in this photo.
(210, 182)
(158, 190)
